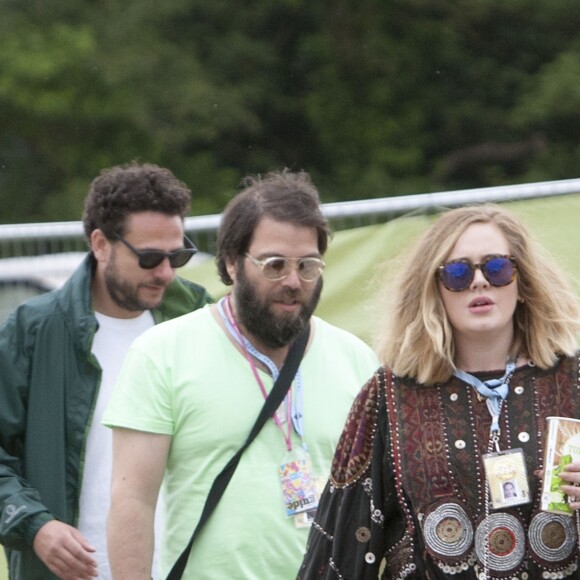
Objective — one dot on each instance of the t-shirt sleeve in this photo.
(141, 398)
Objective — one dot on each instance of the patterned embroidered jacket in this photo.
(407, 496)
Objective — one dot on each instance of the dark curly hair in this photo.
(282, 196)
(126, 189)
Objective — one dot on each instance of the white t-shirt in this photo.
(111, 343)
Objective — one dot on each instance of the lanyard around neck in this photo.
(293, 404)
(495, 391)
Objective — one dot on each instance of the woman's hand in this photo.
(571, 474)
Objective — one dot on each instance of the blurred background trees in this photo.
(372, 97)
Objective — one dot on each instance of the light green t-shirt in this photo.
(185, 378)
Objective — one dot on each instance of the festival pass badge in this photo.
(507, 478)
(298, 483)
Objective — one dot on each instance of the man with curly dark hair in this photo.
(60, 354)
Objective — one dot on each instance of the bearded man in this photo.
(192, 388)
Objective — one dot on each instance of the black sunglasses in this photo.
(457, 275)
(149, 259)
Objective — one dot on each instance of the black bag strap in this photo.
(273, 401)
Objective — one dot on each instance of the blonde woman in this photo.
(478, 349)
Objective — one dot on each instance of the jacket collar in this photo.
(75, 302)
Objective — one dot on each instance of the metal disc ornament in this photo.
(448, 531)
(500, 542)
(552, 537)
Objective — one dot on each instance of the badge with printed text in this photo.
(305, 519)
(507, 478)
(298, 483)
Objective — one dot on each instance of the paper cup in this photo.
(562, 447)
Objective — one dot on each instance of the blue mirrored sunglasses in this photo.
(457, 275)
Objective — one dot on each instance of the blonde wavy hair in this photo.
(416, 338)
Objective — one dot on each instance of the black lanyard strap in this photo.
(274, 400)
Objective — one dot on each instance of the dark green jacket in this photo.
(48, 388)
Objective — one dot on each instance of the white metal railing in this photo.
(15, 239)
(423, 201)
(408, 203)
(49, 251)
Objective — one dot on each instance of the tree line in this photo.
(372, 97)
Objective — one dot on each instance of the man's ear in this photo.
(100, 245)
(231, 269)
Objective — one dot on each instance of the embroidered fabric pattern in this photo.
(400, 558)
(322, 531)
(443, 445)
(401, 562)
(335, 568)
(354, 451)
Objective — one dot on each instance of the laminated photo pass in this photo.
(562, 448)
(507, 478)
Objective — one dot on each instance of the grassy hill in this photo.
(358, 260)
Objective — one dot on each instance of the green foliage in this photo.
(373, 98)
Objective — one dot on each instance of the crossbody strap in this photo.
(220, 483)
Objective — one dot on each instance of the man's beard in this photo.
(272, 330)
(122, 293)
